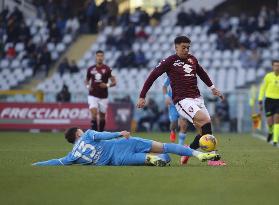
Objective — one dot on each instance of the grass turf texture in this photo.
(251, 176)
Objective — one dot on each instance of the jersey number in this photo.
(82, 148)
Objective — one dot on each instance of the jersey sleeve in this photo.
(263, 88)
(161, 68)
(55, 162)
(204, 76)
(109, 72)
(96, 136)
(88, 74)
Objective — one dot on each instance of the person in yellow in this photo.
(270, 91)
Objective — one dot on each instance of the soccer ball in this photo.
(208, 143)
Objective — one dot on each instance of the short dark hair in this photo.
(181, 39)
(275, 61)
(99, 51)
(70, 134)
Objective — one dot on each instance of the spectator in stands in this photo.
(244, 56)
(92, 16)
(182, 18)
(124, 19)
(121, 61)
(64, 95)
(2, 52)
(73, 67)
(144, 18)
(54, 34)
(64, 66)
(166, 8)
(254, 59)
(112, 8)
(61, 24)
(111, 41)
(17, 14)
(141, 34)
(44, 60)
(156, 15)
(163, 121)
(222, 113)
(11, 53)
(140, 60)
(135, 17)
(151, 114)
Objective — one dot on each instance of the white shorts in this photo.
(188, 107)
(99, 103)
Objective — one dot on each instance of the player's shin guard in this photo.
(196, 143)
(206, 129)
(102, 125)
(94, 125)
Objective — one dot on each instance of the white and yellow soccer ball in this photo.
(208, 143)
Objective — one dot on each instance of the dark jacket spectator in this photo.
(64, 95)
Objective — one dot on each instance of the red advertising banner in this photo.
(59, 116)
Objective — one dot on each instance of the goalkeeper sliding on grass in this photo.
(107, 148)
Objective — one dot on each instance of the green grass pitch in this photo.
(251, 176)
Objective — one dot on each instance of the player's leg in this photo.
(182, 130)
(173, 122)
(158, 147)
(93, 105)
(269, 118)
(103, 104)
(146, 159)
(195, 112)
(276, 123)
(270, 125)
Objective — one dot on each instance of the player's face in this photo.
(79, 133)
(182, 49)
(99, 58)
(275, 67)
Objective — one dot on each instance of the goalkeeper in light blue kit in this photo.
(108, 148)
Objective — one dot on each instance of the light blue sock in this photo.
(177, 149)
(181, 138)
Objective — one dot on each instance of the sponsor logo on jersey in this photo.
(191, 109)
(190, 60)
(188, 69)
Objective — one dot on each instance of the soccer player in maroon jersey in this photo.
(97, 82)
(182, 69)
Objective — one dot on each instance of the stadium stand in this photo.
(226, 57)
(31, 44)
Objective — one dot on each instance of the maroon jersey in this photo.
(95, 76)
(183, 77)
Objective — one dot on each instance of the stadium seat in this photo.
(19, 47)
(4, 63)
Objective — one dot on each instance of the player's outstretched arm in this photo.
(109, 135)
(53, 162)
(158, 71)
